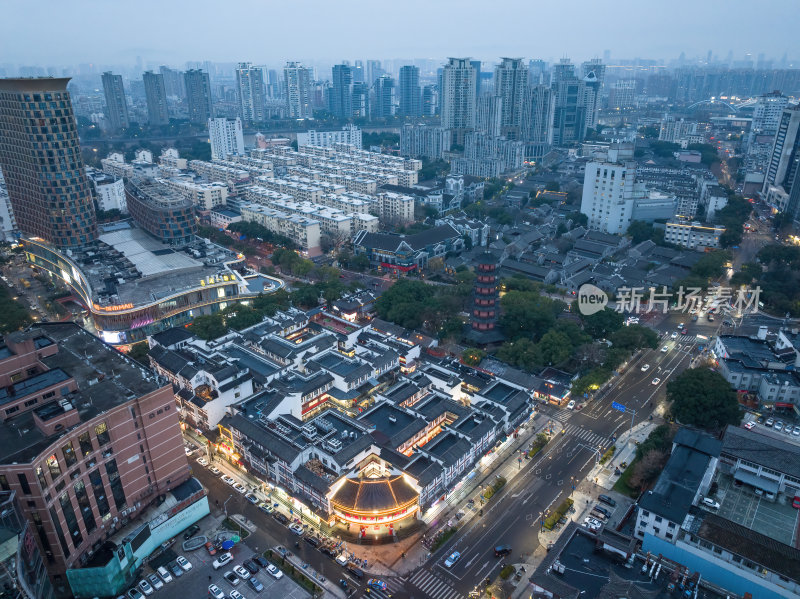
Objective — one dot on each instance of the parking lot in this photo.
(740, 504)
(195, 582)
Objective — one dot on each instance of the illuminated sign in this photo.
(113, 308)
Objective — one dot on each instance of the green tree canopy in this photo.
(527, 314)
(634, 337)
(473, 356)
(703, 398)
(208, 327)
(601, 324)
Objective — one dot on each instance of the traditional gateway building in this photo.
(90, 445)
(132, 285)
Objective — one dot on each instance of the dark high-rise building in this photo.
(156, 95)
(510, 81)
(360, 100)
(569, 121)
(116, 104)
(410, 92)
(430, 100)
(358, 72)
(384, 97)
(341, 93)
(198, 95)
(40, 155)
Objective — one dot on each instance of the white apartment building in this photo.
(674, 131)
(226, 137)
(303, 231)
(695, 236)
(424, 141)
(170, 157)
(459, 81)
(350, 135)
(395, 207)
(204, 196)
(608, 196)
(114, 164)
(109, 190)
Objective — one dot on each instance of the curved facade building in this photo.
(40, 155)
(381, 501)
(161, 212)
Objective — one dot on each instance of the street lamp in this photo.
(225, 505)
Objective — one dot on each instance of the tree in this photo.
(601, 324)
(639, 231)
(473, 356)
(139, 352)
(404, 303)
(648, 468)
(703, 398)
(634, 337)
(554, 348)
(552, 186)
(209, 326)
(527, 314)
(15, 315)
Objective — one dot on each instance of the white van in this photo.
(341, 559)
(710, 503)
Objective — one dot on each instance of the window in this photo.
(69, 454)
(23, 482)
(101, 430)
(115, 483)
(4, 483)
(659, 519)
(85, 442)
(99, 493)
(72, 521)
(53, 466)
(40, 476)
(84, 506)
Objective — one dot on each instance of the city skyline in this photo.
(414, 29)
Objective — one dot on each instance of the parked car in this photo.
(202, 461)
(796, 502)
(603, 511)
(778, 426)
(175, 569)
(749, 425)
(265, 507)
(296, 528)
(261, 562)
(184, 563)
(191, 531)
(607, 500)
(228, 480)
(280, 517)
(234, 594)
(710, 503)
(274, 571)
(231, 577)
(770, 422)
(355, 571)
(215, 592)
(452, 559)
(134, 594)
(251, 566)
(256, 585)
(223, 559)
(145, 588)
(214, 470)
(313, 541)
(212, 550)
(251, 498)
(155, 582)
(164, 574)
(240, 487)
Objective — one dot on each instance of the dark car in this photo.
(191, 531)
(280, 517)
(328, 551)
(603, 511)
(607, 500)
(313, 541)
(502, 550)
(250, 565)
(261, 561)
(175, 569)
(355, 571)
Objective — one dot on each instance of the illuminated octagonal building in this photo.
(484, 316)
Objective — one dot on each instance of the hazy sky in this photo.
(50, 32)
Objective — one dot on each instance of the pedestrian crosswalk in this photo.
(393, 586)
(586, 436)
(560, 415)
(430, 585)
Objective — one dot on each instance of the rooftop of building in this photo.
(105, 380)
(768, 451)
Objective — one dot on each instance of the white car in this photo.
(241, 572)
(656, 381)
(188, 450)
(674, 335)
(155, 582)
(239, 487)
(646, 367)
(571, 405)
(710, 503)
(664, 349)
(296, 528)
(145, 588)
(202, 461)
(228, 480)
(234, 594)
(274, 571)
(184, 563)
(214, 470)
(164, 574)
(215, 592)
(452, 559)
(231, 578)
(592, 523)
(222, 560)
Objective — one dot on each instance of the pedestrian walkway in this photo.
(587, 437)
(393, 585)
(432, 585)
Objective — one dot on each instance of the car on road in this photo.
(145, 588)
(645, 367)
(674, 335)
(188, 450)
(214, 470)
(664, 349)
(680, 325)
(223, 559)
(274, 571)
(656, 381)
(190, 532)
(313, 541)
(155, 582)
(184, 563)
(377, 584)
(606, 499)
(202, 461)
(251, 498)
(796, 431)
(710, 503)
(778, 426)
(452, 559)
(241, 572)
(256, 585)
(571, 405)
(770, 422)
(231, 578)
(240, 487)
(296, 528)
(215, 592)
(502, 550)
(355, 571)
(749, 425)
(280, 517)
(251, 566)
(228, 480)
(265, 507)
(710, 318)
